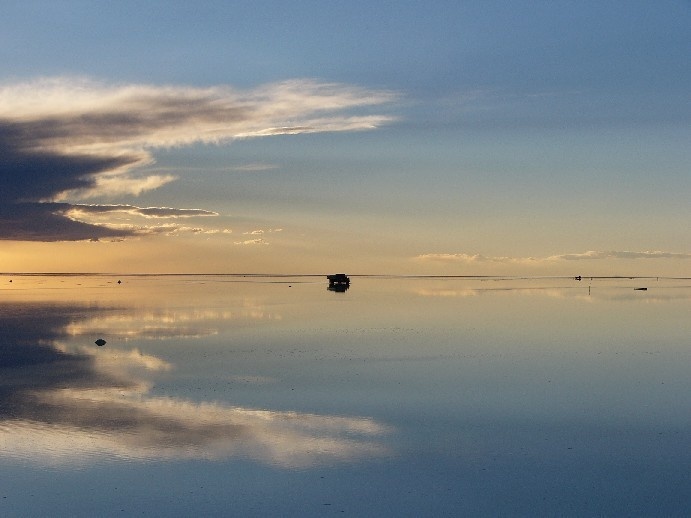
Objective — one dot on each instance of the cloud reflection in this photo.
(163, 324)
(62, 405)
(587, 293)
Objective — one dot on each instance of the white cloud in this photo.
(620, 255)
(80, 210)
(590, 255)
(81, 139)
(472, 258)
(116, 184)
(250, 242)
(85, 116)
(261, 231)
(252, 168)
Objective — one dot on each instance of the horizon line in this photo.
(579, 277)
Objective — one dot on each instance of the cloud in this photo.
(146, 212)
(590, 255)
(49, 222)
(468, 258)
(252, 168)
(258, 241)
(261, 231)
(64, 140)
(620, 255)
(91, 219)
(116, 184)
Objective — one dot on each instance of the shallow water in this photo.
(234, 395)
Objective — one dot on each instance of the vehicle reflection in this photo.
(338, 288)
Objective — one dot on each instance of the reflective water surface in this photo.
(232, 395)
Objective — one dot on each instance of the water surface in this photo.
(400, 396)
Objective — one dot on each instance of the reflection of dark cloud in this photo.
(29, 362)
(59, 403)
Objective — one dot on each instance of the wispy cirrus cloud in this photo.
(146, 212)
(253, 168)
(124, 218)
(168, 229)
(66, 139)
(590, 255)
(251, 242)
(117, 183)
(261, 231)
(463, 258)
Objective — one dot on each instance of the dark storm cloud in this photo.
(30, 174)
(30, 177)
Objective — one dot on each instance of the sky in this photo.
(442, 138)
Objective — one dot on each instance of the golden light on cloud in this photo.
(116, 184)
(585, 256)
(82, 139)
(250, 242)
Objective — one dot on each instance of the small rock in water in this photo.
(100, 342)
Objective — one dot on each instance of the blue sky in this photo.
(457, 137)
